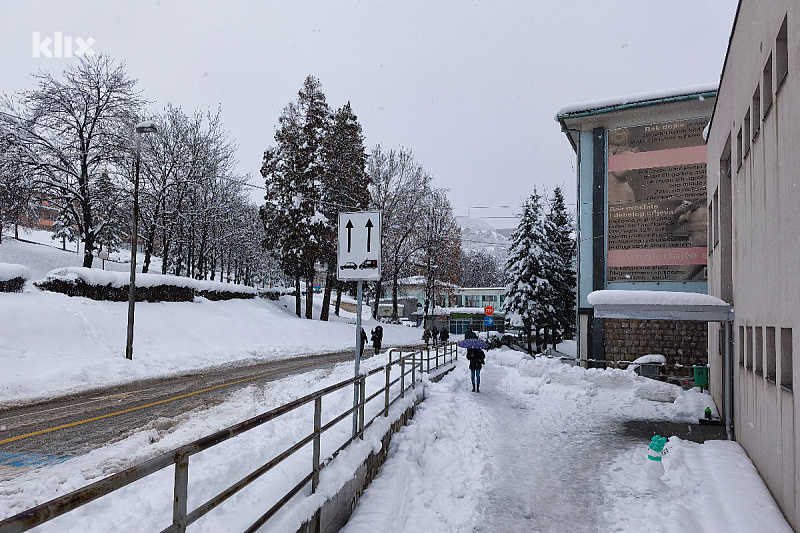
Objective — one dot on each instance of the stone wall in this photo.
(682, 342)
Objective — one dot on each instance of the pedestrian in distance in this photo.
(426, 336)
(469, 334)
(476, 359)
(363, 340)
(434, 335)
(377, 339)
(444, 335)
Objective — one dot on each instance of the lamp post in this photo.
(103, 255)
(142, 127)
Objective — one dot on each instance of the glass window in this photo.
(766, 86)
(786, 358)
(756, 112)
(781, 55)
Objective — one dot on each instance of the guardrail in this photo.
(182, 517)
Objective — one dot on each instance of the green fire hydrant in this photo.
(657, 444)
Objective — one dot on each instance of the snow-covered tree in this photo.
(398, 187)
(344, 188)
(480, 269)
(439, 236)
(293, 172)
(71, 131)
(563, 280)
(17, 191)
(528, 269)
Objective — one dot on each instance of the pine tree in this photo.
(564, 279)
(527, 270)
(344, 187)
(293, 172)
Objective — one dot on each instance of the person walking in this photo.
(363, 340)
(426, 336)
(476, 359)
(434, 334)
(377, 338)
(444, 335)
(469, 334)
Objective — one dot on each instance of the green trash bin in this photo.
(701, 376)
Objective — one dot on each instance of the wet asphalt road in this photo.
(108, 406)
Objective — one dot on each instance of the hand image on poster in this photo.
(690, 222)
(619, 189)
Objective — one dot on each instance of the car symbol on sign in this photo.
(348, 265)
(369, 263)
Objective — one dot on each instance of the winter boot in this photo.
(479, 388)
(473, 387)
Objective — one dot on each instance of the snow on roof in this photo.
(591, 105)
(617, 297)
(659, 305)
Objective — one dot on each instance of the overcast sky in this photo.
(470, 87)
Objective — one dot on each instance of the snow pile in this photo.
(10, 271)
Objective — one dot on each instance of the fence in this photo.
(411, 366)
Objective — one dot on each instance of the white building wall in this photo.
(765, 229)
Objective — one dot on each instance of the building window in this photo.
(781, 55)
(766, 86)
(771, 354)
(739, 149)
(472, 300)
(748, 356)
(712, 216)
(756, 112)
(489, 297)
(742, 342)
(786, 358)
(758, 352)
(746, 138)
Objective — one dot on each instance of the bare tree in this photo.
(398, 186)
(70, 132)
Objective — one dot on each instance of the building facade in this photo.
(753, 200)
(641, 215)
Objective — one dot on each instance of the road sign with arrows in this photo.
(359, 249)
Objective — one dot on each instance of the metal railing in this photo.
(411, 366)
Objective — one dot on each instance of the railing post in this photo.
(317, 439)
(436, 348)
(402, 378)
(386, 394)
(363, 393)
(428, 357)
(181, 493)
(414, 370)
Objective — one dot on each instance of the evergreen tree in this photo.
(527, 270)
(564, 279)
(344, 188)
(293, 172)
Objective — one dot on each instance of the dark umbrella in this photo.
(472, 343)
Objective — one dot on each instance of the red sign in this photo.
(489, 310)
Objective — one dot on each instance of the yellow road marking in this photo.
(132, 409)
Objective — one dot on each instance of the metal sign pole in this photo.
(358, 355)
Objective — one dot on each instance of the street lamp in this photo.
(143, 127)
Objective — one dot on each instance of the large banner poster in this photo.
(657, 202)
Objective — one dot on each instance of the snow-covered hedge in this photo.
(113, 286)
(275, 293)
(13, 277)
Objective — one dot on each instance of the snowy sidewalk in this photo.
(542, 448)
